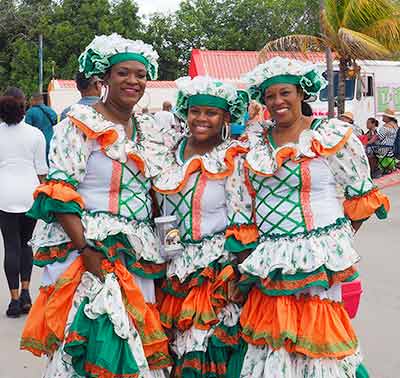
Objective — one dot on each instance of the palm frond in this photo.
(361, 13)
(334, 12)
(355, 45)
(327, 31)
(386, 31)
(297, 42)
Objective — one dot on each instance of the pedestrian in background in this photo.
(165, 118)
(42, 117)
(90, 90)
(22, 165)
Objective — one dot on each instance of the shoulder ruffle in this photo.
(148, 151)
(217, 164)
(326, 139)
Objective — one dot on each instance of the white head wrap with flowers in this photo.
(207, 91)
(283, 71)
(107, 50)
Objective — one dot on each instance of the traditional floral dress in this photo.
(293, 320)
(209, 196)
(90, 328)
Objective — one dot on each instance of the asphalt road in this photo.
(377, 323)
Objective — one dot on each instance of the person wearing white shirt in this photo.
(165, 119)
(22, 165)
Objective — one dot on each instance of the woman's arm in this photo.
(72, 225)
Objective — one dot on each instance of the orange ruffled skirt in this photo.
(312, 326)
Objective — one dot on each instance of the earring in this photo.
(225, 132)
(105, 89)
(186, 130)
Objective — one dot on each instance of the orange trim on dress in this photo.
(115, 184)
(320, 150)
(305, 194)
(196, 207)
(360, 208)
(60, 191)
(245, 233)
(105, 138)
(198, 165)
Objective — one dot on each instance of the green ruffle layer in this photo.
(362, 372)
(98, 350)
(223, 358)
(289, 284)
(235, 246)
(45, 208)
(113, 247)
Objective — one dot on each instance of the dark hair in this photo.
(14, 92)
(374, 121)
(83, 83)
(306, 109)
(12, 109)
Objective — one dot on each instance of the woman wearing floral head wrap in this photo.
(205, 190)
(293, 320)
(95, 315)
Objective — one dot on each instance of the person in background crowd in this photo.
(90, 90)
(42, 117)
(22, 166)
(165, 118)
(349, 118)
(371, 139)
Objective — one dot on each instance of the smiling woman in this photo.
(293, 321)
(95, 236)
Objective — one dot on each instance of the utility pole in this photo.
(40, 63)
(329, 72)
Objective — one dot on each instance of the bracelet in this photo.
(80, 250)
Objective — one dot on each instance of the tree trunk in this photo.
(331, 91)
(342, 86)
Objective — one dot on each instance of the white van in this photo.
(375, 89)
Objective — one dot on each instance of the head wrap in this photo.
(206, 91)
(283, 71)
(106, 50)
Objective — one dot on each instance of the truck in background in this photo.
(369, 94)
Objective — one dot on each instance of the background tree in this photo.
(353, 30)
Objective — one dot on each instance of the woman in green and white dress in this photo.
(293, 320)
(205, 189)
(96, 314)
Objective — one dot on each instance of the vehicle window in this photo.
(349, 91)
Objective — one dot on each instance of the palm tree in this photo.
(353, 30)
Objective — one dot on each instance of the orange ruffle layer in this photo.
(44, 327)
(315, 327)
(359, 208)
(60, 191)
(245, 233)
(201, 305)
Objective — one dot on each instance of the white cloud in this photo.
(150, 6)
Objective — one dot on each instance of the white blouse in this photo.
(22, 159)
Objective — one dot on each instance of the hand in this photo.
(92, 260)
(254, 109)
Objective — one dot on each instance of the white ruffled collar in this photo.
(146, 147)
(322, 139)
(216, 164)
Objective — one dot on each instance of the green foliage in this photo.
(68, 26)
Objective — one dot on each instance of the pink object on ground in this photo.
(351, 294)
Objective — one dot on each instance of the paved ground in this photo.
(377, 323)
